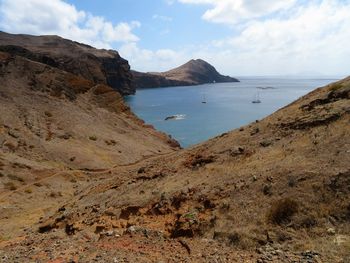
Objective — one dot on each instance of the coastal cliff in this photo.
(194, 72)
(98, 65)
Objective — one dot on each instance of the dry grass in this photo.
(80, 85)
(335, 86)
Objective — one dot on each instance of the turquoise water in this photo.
(229, 105)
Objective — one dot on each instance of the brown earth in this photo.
(83, 180)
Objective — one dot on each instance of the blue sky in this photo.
(239, 37)
(164, 25)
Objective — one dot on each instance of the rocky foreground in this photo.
(83, 180)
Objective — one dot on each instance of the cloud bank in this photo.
(56, 17)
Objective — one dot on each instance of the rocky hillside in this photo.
(194, 72)
(276, 190)
(98, 65)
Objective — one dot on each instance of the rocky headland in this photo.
(194, 72)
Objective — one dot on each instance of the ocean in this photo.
(228, 105)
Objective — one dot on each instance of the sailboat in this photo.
(257, 98)
(204, 101)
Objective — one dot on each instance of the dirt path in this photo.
(4, 195)
(91, 171)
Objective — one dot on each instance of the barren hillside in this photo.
(277, 190)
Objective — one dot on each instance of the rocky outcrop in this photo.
(194, 72)
(98, 65)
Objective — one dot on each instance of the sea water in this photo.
(228, 105)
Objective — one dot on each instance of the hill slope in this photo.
(194, 72)
(54, 125)
(273, 191)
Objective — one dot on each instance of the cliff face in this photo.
(152, 80)
(194, 72)
(99, 66)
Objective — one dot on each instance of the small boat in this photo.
(176, 117)
(256, 99)
(172, 117)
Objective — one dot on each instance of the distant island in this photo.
(194, 72)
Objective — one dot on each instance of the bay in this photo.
(228, 105)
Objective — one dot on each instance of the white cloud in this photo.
(311, 38)
(169, 2)
(60, 18)
(235, 11)
(148, 60)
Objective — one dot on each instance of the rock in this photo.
(237, 150)
(107, 233)
(13, 134)
(265, 143)
(331, 231)
(255, 131)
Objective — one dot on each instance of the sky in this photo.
(239, 37)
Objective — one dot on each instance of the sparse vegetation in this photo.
(335, 86)
(93, 138)
(282, 211)
(55, 194)
(10, 186)
(28, 191)
(15, 177)
(48, 114)
(110, 142)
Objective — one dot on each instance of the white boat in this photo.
(204, 101)
(257, 98)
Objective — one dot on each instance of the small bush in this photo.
(1, 174)
(282, 211)
(198, 160)
(10, 186)
(54, 194)
(48, 114)
(93, 138)
(28, 191)
(15, 177)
